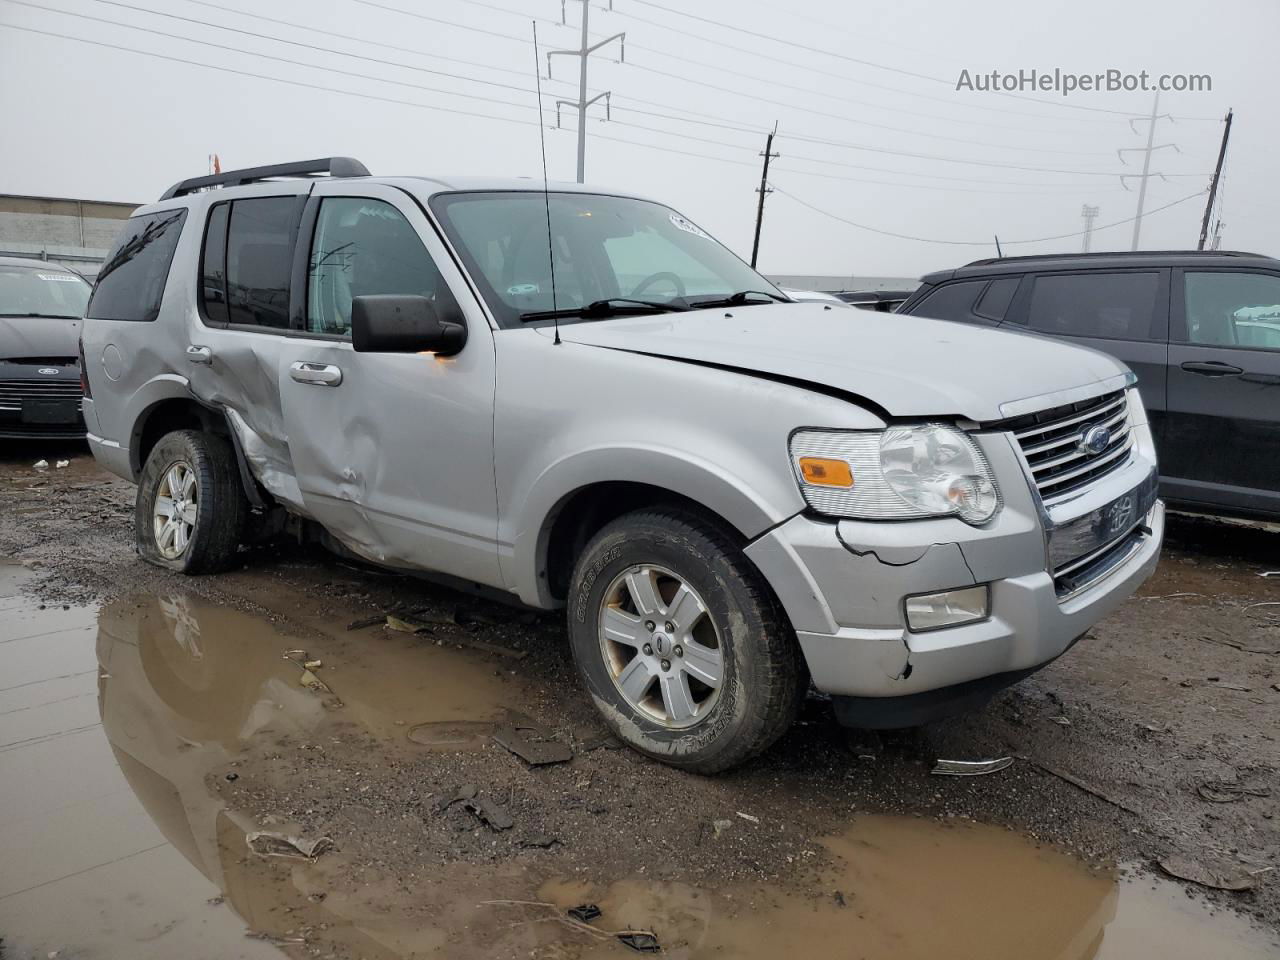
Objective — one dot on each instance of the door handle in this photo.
(199, 354)
(1211, 368)
(320, 374)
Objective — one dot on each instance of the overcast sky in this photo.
(689, 110)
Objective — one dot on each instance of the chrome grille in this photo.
(1051, 442)
(13, 392)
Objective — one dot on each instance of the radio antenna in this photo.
(546, 191)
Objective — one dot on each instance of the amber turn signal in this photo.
(826, 472)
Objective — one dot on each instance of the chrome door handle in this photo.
(320, 374)
(198, 354)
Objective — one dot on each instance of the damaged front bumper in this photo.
(844, 586)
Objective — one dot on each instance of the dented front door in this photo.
(393, 452)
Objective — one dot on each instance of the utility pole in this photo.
(1146, 165)
(1090, 214)
(1213, 184)
(764, 189)
(582, 53)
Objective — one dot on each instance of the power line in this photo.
(294, 25)
(878, 66)
(285, 60)
(969, 243)
(261, 76)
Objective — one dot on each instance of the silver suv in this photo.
(579, 399)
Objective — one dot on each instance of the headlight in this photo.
(900, 473)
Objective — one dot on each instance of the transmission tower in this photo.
(584, 52)
(1146, 162)
(1090, 214)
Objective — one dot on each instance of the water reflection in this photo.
(188, 686)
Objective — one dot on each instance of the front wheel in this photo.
(191, 507)
(680, 642)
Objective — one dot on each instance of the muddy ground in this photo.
(1115, 744)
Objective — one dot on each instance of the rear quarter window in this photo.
(951, 301)
(132, 280)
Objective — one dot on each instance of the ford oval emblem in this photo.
(1094, 440)
(49, 371)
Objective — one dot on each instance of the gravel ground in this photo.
(1114, 740)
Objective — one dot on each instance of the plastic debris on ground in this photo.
(266, 843)
(970, 768)
(533, 744)
(41, 465)
(1219, 876)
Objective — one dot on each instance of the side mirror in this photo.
(392, 323)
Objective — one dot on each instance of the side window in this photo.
(259, 260)
(994, 302)
(213, 265)
(131, 282)
(951, 301)
(364, 246)
(1233, 309)
(1109, 306)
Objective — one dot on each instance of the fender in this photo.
(748, 510)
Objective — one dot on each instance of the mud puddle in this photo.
(126, 814)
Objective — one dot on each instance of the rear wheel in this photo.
(191, 508)
(680, 642)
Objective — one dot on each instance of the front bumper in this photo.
(40, 401)
(843, 584)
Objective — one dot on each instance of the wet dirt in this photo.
(128, 792)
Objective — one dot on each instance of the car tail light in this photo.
(84, 372)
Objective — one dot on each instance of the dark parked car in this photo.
(882, 301)
(40, 309)
(1200, 329)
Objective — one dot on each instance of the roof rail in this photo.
(1103, 254)
(333, 166)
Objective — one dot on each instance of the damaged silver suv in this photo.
(580, 399)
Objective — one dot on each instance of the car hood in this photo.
(38, 337)
(909, 366)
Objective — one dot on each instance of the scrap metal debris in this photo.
(267, 843)
(484, 809)
(532, 743)
(1227, 791)
(970, 768)
(1219, 875)
(640, 942)
(585, 912)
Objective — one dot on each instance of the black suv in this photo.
(1200, 329)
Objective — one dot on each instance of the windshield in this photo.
(606, 248)
(41, 292)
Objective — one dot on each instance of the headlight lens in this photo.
(900, 473)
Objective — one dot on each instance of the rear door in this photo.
(1121, 312)
(1222, 438)
(242, 320)
(393, 452)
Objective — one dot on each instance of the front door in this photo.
(1222, 436)
(393, 452)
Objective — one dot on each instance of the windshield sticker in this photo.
(680, 223)
(59, 277)
(523, 289)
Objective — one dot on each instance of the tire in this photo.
(204, 465)
(716, 600)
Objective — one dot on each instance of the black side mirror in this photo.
(392, 323)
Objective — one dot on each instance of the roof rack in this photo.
(1101, 254)
(333, 166)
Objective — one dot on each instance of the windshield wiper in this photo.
(739, 299)
(609, 307)
(47, 316)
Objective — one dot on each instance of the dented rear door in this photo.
(393, 453)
